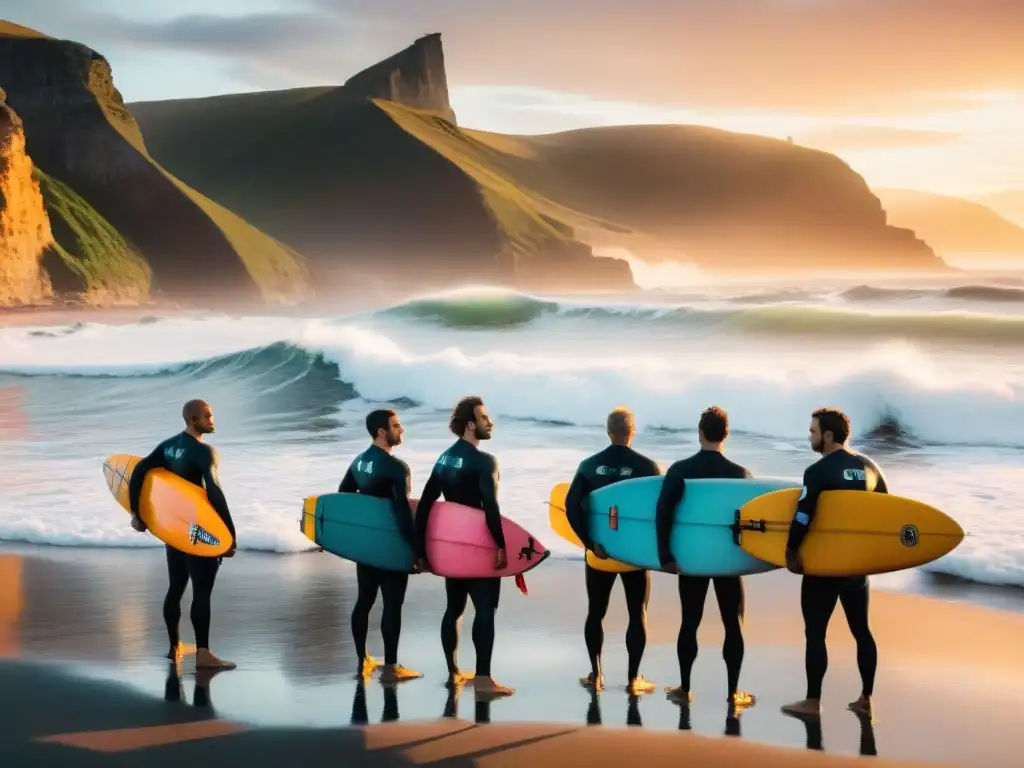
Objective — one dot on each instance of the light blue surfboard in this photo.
(359, 528)
(622, 520)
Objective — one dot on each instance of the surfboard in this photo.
(362, 528)
(560, 525)
(704, 539)
(853, 533)
(176, 511)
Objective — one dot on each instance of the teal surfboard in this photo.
(357, 527)
(622, 520)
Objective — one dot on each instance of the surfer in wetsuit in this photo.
(376, 472)
(187, 456)
(613, 464)
(708, 462)
(464, 474)
(838, 469)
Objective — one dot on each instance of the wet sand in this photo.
(948, 689)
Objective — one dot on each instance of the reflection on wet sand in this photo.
(816, 738)
(11, 603)
(287, 621)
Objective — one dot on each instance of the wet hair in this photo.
(620, 423)
(464, 414)
(835, 421)
(714, 424)
(377, 420)
(193, 409)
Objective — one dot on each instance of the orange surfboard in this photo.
(176, 511)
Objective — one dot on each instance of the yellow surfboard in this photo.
(560, 525)
(176, 511)
(853, 533)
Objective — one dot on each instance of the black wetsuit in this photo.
(466, 475)
(612, 465)
(376, 472)
(841, 470)
(196, 462)
(693, 590)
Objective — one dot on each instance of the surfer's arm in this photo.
(155, 460)
(211, 481)
(576, 508)
(805, 508)
(348, 483)
(431, 493)
(672, 489)
(489, 499)
(400, 503)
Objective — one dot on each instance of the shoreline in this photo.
(1008, 598)
(285, 621)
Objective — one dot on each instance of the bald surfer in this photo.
(190, 458)
(466, 475)
(709, 462)
(611, 465)
(838, 469)
(376, 472)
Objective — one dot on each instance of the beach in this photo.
(930, 373)
(948, 684)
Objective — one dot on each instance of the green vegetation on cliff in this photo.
(109, 193)
(89, 256)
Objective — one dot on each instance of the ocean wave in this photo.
(768, 313)
(893, 393)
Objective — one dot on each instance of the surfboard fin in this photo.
(521, 583)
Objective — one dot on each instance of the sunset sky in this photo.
(922, 94)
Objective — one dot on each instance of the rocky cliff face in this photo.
(79, 131)
(414, 77)
(24, 227)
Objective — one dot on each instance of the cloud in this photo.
(845, 138)
(850, 56)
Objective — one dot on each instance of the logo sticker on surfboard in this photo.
(613, 517)
(909, 536)
(196, 533)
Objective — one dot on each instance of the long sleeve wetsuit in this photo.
(693, 590)
(611, 465)
(466, 475)
(196, 462)
(376, 472)
(841, 470)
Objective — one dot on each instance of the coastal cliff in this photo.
(25, 232)
(79, 131)
(415, 77)
(374, 183)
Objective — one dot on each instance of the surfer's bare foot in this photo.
(488, 689)
(396, 673)
(206, 660)
(678, 696)
(640, 685)
(593, 682)
(368, 667)
(180, 651)
(458, 679)
(804, 708)
(741, 700)
(862, 706)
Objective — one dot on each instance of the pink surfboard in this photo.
(459, 546)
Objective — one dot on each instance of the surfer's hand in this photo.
(137, 524)
(794, 562)
(670, 566)
(422, 566)
(415, 566)
(501, 560)
(599, 552)
(231, 552)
